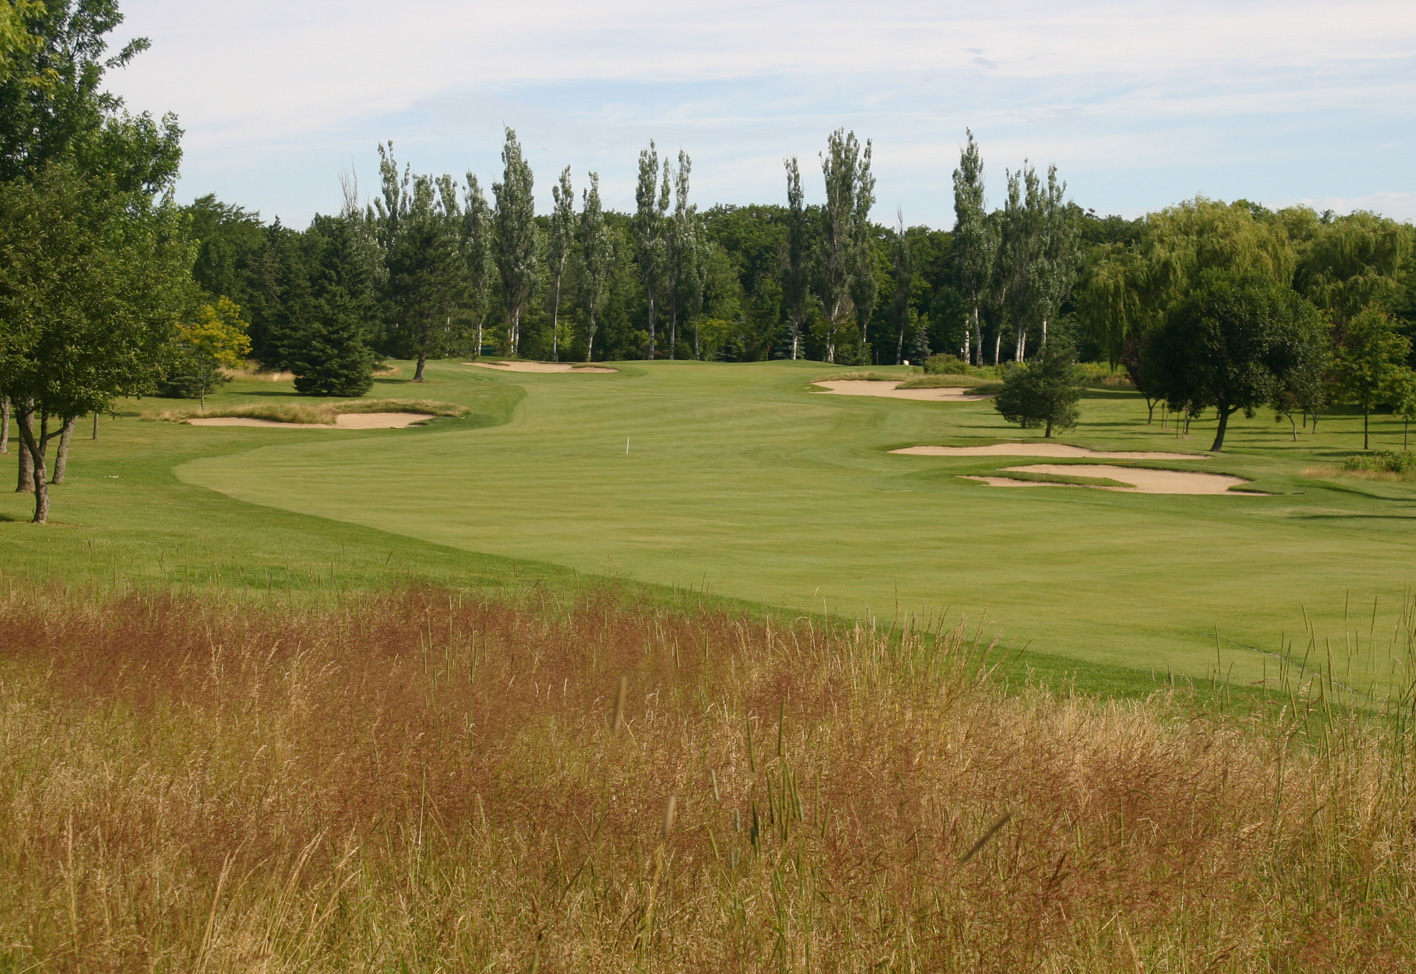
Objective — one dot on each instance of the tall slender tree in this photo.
(651, 207)
(975, 244)
(596, 259)
(561, 243)
(516, 251)
(796, 285)
(904, 285)
(478, 235)
(849, 195)
(682, 285)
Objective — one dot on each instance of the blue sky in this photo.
(1138, 105)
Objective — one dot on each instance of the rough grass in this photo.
(976, 383)
(303, 411)
(421, 781)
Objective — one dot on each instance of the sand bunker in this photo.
(539, 367)
(891, 390)
(345, 421)
(1142, 481)
(1042, 450)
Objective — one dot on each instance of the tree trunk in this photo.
(422, 361)
(1293, 424)
(1150, 412)
(1218, 444)
(967, 350)
(480, 323)
(1020, 350)
(61, 459)
(95, 425)
(590, 338)
(1047, 433)
(697, 348)
(5, 424)
(25, 484)
(796, 338)
(1043, 343)
(1365, 435)
(900, 345)
(653, 344)
(555, 322)
(673, 329)
(34, 447)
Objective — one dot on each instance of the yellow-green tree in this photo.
(215, 341)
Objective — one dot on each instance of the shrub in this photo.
(1381, 461)
(946, 364)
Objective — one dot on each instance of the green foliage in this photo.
(946, 364)
(215, 340)
(1046, 392)
(1381, 461)
(329, 350)
(1235, 345)
(516, 251)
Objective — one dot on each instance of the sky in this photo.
(1139, 105)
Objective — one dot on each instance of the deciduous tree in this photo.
(975, 244)
(516, 249)
(1371, 363)
(595, 259)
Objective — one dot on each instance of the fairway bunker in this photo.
(345, 421)
(540, 367)
(891, 390)
(1059, 450)
(1141, 480)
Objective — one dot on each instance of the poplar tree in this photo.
(795, 284)
(850, 192)
(515, 222)
(975, 244)
(596, 258)
(904, 284)
(562, 238)
(477, 251)
(681, 271)
(651, 206)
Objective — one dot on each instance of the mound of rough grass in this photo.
(863, 376)
(976, 383)
(323, 413)
(1381, 461)
(427, 781)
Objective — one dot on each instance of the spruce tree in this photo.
(329, 351)
(1045, 392)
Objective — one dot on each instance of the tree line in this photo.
(109, 289)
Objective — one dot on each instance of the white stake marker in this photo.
(626, 446)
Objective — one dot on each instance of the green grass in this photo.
(741, 484)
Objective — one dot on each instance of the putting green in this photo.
(739, 481)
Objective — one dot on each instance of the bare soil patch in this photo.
(891, 390)
(346, 421)
(1060, 450)
(1142, 481)
(540, 367)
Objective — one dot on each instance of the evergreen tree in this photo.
(1045, 392)
(329, 351)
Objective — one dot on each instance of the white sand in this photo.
(1141, 481)
(345, 421)
(891, 390)
(1061, 450)
(539, 367)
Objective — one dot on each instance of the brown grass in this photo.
(1383, 476)
(424, 781)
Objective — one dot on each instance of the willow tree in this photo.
(561, 242)
(975, 244)
(515, 250)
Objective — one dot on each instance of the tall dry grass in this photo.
(426, 782)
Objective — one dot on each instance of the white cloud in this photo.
(1103, 87)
